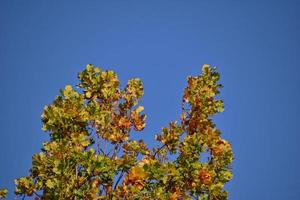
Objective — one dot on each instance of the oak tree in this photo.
(90, 154)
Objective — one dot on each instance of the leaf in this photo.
(124, 122)
(139, 109)
(205, 177)
(138, 121)
(88, 95)
(205, 68)
(89, 67)
(68, 88)
(50, 184)
(97, 70)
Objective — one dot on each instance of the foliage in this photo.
(90, 155)
(3, 193)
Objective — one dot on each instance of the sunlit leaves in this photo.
(205, 177)
(90, 154)
(170, 136)
(97, 84)
(25, 185)
(133, 91)
(137, 119)
(136, 177)
(199, 104)
(3, 193)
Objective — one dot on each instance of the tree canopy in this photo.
(90, 154)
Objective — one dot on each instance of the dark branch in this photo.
(119, 179)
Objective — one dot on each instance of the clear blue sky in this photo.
(255, 44)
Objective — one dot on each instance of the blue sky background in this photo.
(255, 44)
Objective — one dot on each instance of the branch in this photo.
(119, 179)
(158, 150)
(40, 196)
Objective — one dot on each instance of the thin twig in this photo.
(158, 150)
(40, 196)
(119, 179)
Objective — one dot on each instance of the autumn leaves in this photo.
(90, 154)
(110, 108)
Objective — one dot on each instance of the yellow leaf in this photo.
(205, 68)
(68, 87)
(97, 69)
(50, 184)
(88, 94)
(139, 109)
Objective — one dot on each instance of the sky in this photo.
(254, 44)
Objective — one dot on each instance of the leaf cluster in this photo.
(3, 193)
(90, 154)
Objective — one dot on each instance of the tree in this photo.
(90, 154)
